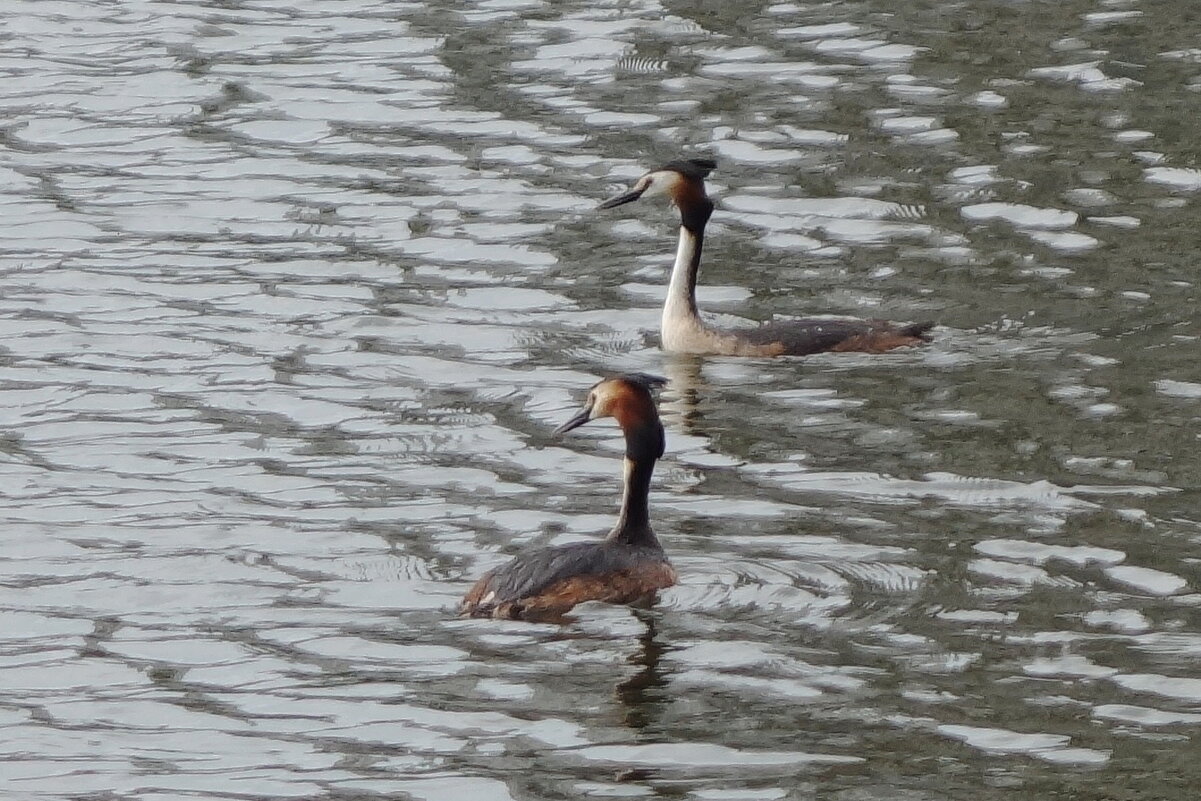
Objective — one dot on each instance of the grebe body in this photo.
(629, 565)
(683, 331)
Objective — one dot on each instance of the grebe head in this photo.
(683, 181)
(627, 398)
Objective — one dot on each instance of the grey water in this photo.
(293, 292)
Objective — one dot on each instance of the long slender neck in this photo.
(681, 291)
(680, 308)
(644, 445)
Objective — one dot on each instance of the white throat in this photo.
(680, 318)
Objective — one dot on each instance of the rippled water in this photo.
(291, 294)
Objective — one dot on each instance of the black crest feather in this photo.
(691, 168)
(645, 380)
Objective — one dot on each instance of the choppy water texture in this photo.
(293, 292)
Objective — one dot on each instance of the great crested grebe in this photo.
(682, 329)
(629, 565)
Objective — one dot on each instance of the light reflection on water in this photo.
(291, 295)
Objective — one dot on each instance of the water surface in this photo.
(292, 293)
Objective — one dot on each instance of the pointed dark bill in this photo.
(621, 200)
(583, 416)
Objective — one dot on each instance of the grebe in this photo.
(682, 329)
(629, 565)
